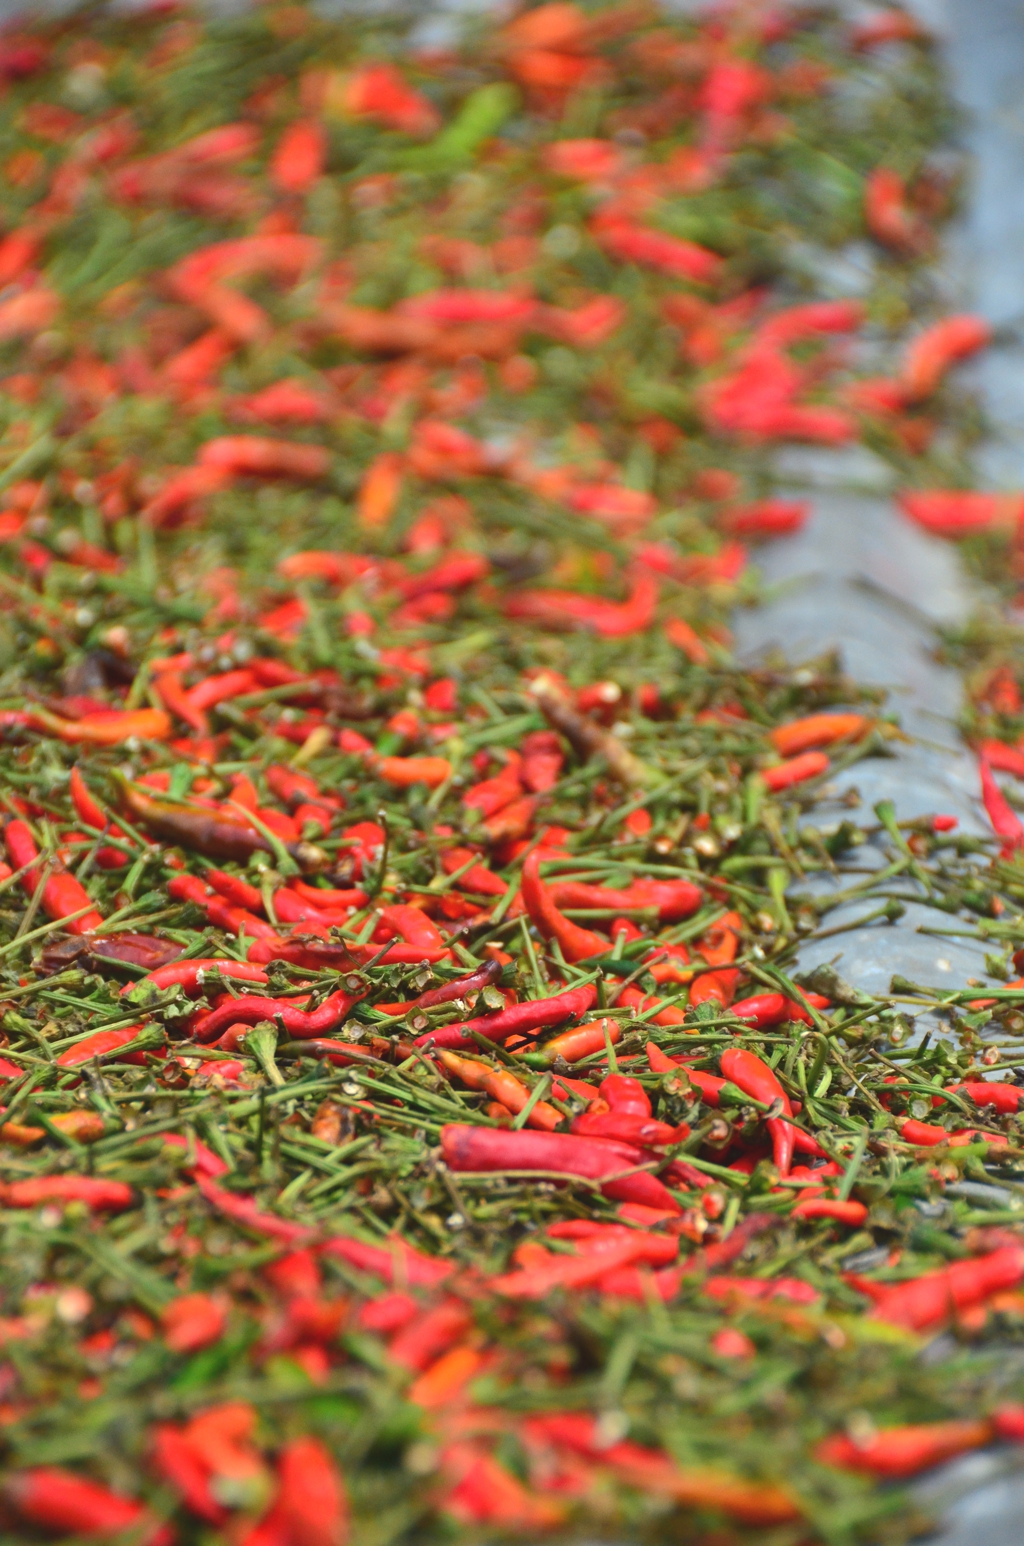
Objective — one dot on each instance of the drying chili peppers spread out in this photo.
(416, 1123)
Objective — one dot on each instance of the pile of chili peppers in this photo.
(416, 1124)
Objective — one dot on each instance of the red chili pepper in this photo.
(631, 243)
(380, 91)
(887, 215)
(50, 1498)
(755, 1078)
(235, 889)
(493, 794)
(628, 1127)
(191, 975)
(193, 1321)
(767, 1009)
(457, 570)
(659, 1063)
(89, 812)
(559, 609)
(796, 771)
(928, 1301)
(288, 784)
(542, 761)
(983, 1092)
(220, 689)
(311, 1499)
(851, 1212)
(763, 518)
(238, 920)
(480, 1148)
(1005, 823)
(63, 895)
(600, 1255)
(714, 987)
(932, 352)
(244, 1211)
(671, 1014)
(188, 888)
(534, 1015)
(652, 1472)
(576, 943)
(478, 880)
(177, 1463)
(900, 1452)
(404, 772)
(252, 456)
(199, 363)
(99, 1196)
(328, 897)
(960, 513)
(99, 1044)
(1008, 1422)
(674, 899)
(251, 1008)
(397, 1260)
(625, 1094)
(299, 156)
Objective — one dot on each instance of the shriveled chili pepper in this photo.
(216, 833)
(461, 988)
(516, 1019)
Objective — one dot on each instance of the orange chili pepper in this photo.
(816, 730)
